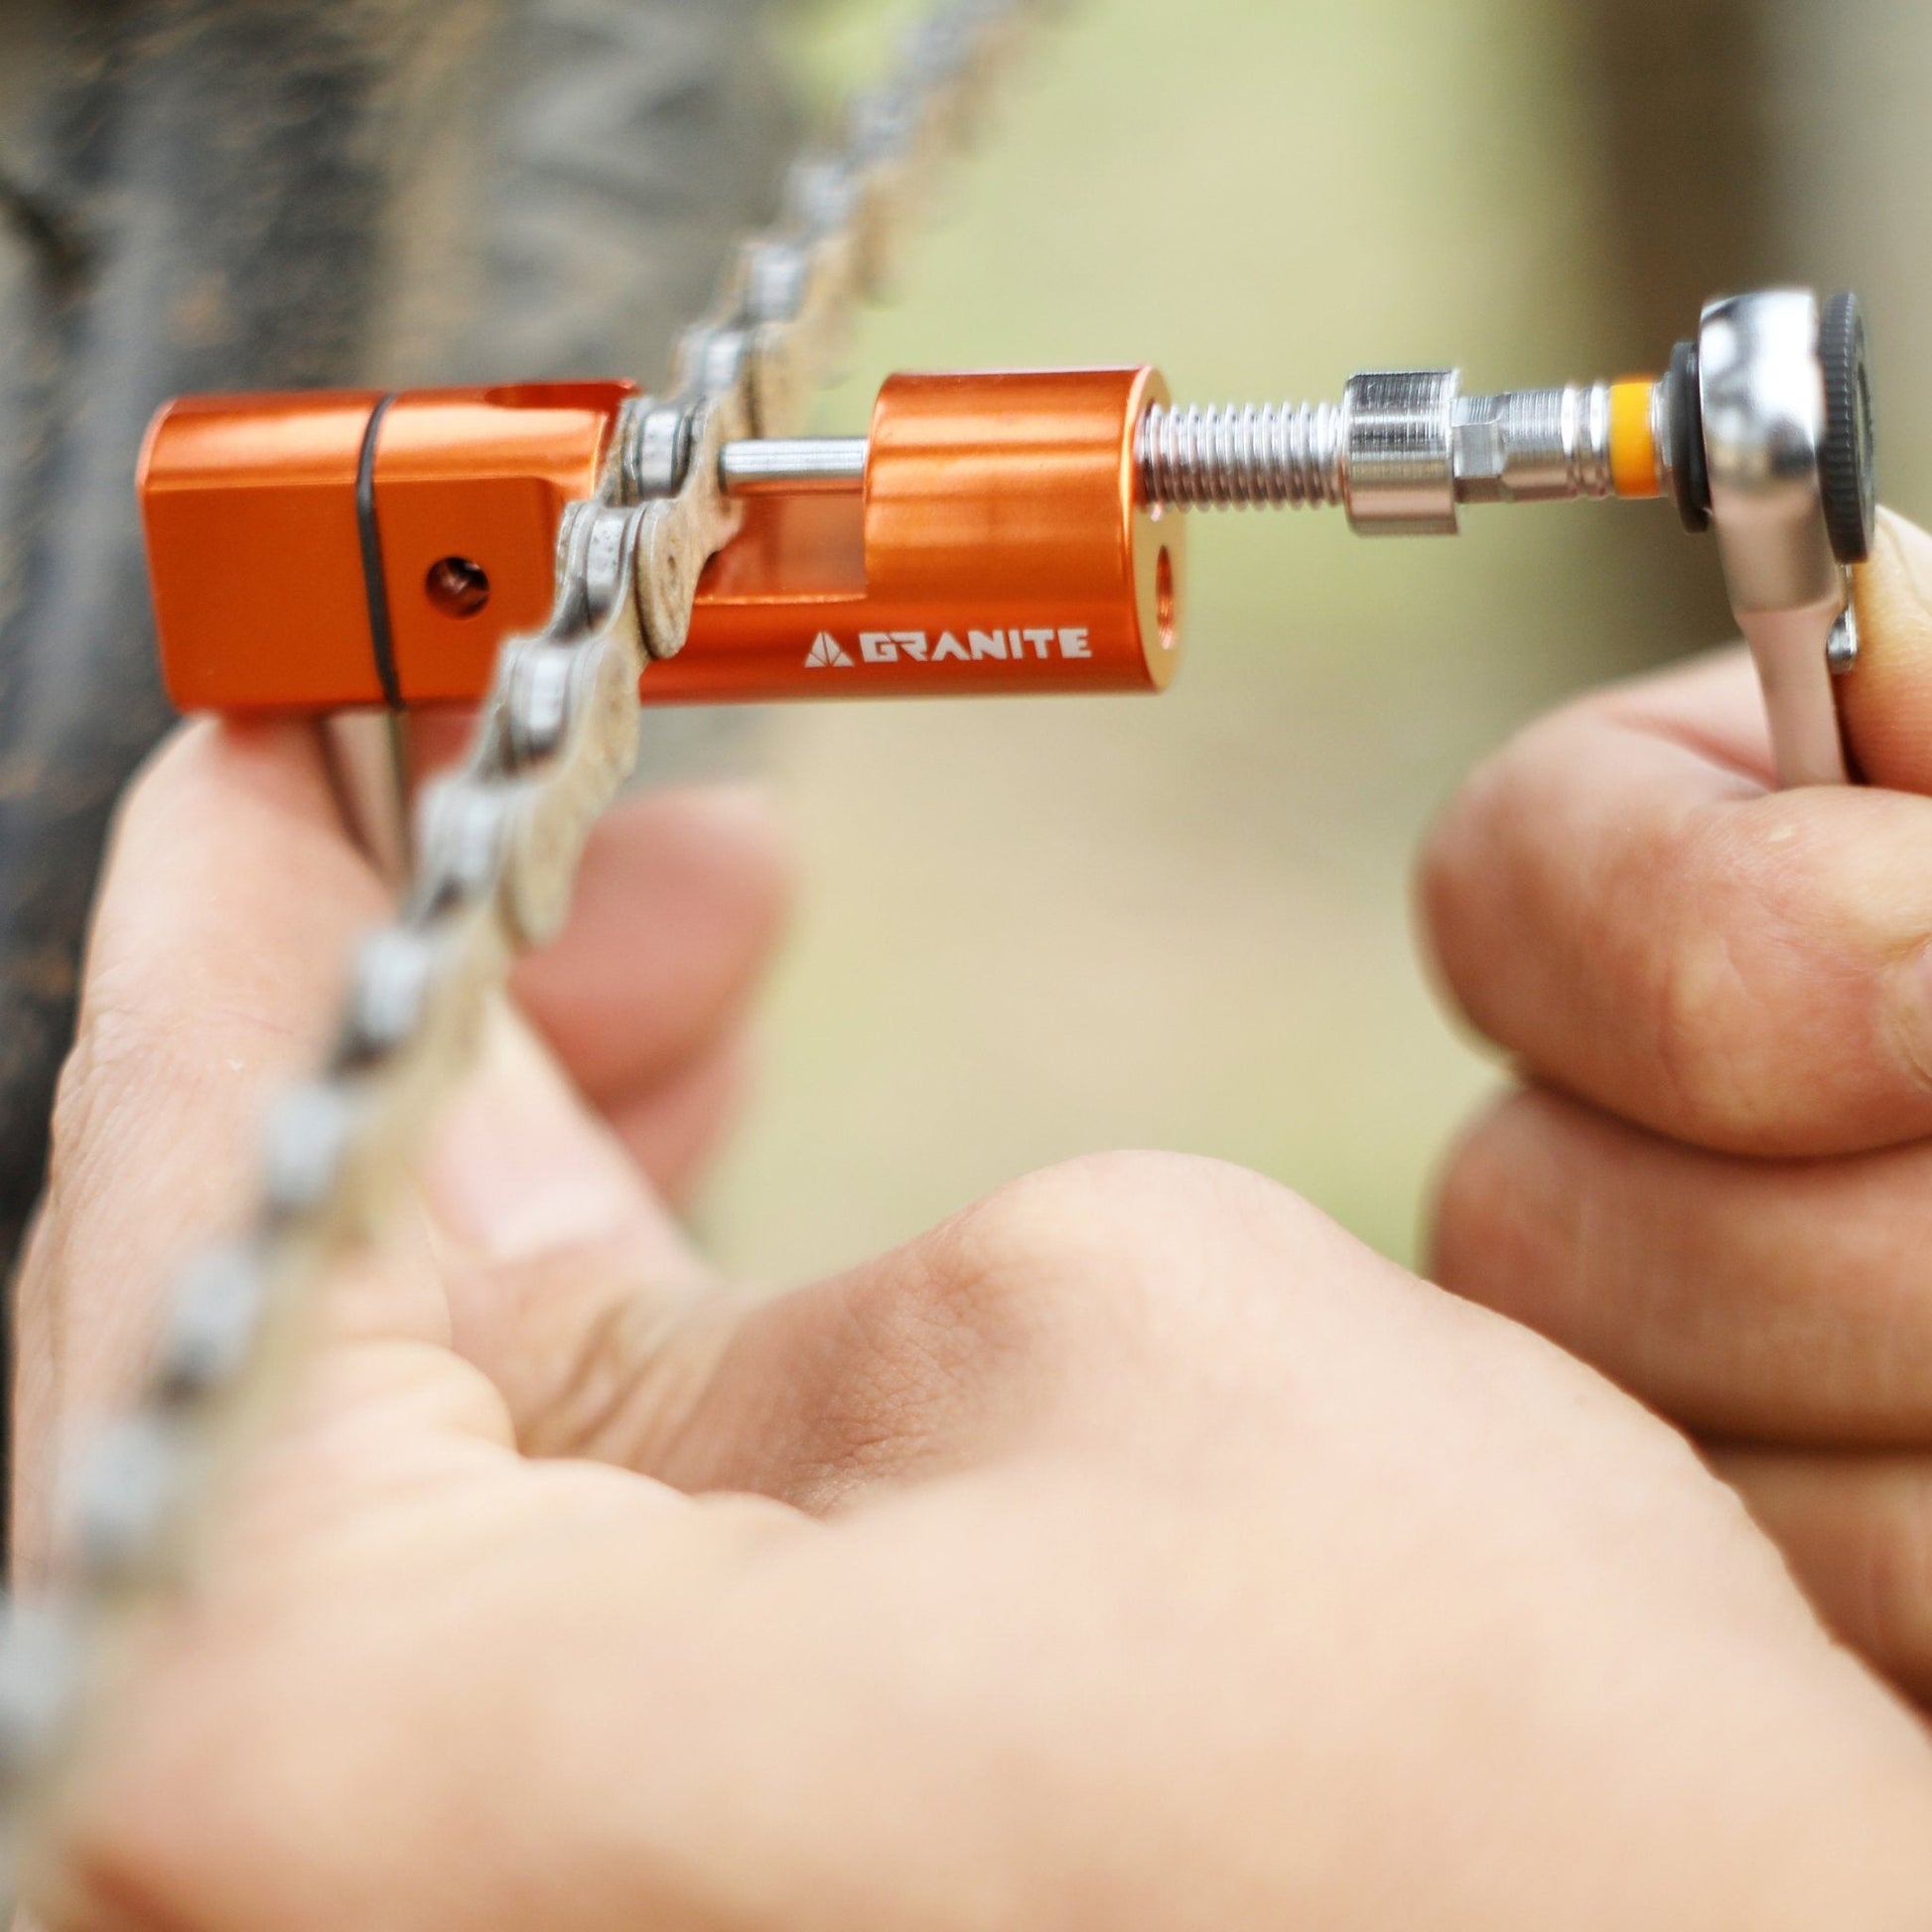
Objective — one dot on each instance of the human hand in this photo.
(1133, 1550)
(1717, 1184)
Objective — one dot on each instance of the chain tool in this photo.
(1012, 532)
(995, 533)
(497, 846)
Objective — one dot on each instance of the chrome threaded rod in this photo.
(1401, 452)
(1240, 456)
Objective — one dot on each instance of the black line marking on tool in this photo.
(375, 586)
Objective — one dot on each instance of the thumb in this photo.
(1887, 701)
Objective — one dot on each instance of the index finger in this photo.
(1622, 901)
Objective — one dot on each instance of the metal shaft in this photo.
(792, 464)
(1402, 451)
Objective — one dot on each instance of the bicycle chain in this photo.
(496, 847)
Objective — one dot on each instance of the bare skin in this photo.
(1133, 1550)
(1716, 1184)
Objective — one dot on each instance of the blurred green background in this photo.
(1029, 930)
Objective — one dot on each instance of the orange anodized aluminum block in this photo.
(321, 552)
(248, 505)
(293, 540)
(999, 546)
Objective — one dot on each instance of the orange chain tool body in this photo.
(998, 545)
(294, 541)
(328, 551)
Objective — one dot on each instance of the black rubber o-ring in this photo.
(1689, 480)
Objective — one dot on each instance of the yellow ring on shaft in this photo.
(1633, 442)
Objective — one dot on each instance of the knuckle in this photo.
(1454, 873)
(1688, 989)
(1695, 989)
(124, 1040)
(1496, 863)
(983, 1325)
(119, 1054)
(1108, 1237)
(1471, 1216)
(1491, 1228)
(1763, 1004)
(1716, 992)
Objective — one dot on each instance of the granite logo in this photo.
(826, 651)
(921, 647)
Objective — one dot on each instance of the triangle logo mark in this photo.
(826, 649)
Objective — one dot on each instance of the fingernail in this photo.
(521, 1167)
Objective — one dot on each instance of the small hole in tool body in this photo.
(457, 586)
